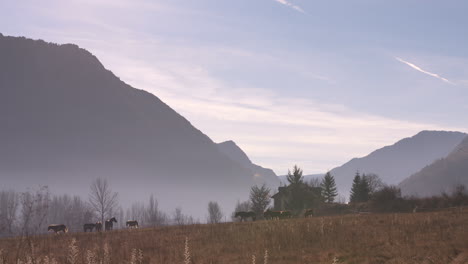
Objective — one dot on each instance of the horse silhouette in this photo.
(132, 223)
(309, 213)
(268, 214)
(89, 227)
(109, 225)
(58, 228)
(98, 226)
(244, 215)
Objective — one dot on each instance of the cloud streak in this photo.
(291, 5)
(424, 71)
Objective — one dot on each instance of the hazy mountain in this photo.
(261, 175)
(441, 176)
(396, 162)
(66, 120)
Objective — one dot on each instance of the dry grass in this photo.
(436, 237)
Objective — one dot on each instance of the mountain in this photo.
(66, 120)
(261, 175)
(396, 162)
(441, 176)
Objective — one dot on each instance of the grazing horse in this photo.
(285, 214)
(132, 224)
(98, 226)
(109, 225)
(89, 227)
(309, 213)
(268, 214)
(58, 228)
(244, 215)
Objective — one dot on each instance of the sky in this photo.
(312, 83)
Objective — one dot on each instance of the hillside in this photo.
(396, 162)
(438, 237)
(261, 175)
(67, 120)
(441, 176)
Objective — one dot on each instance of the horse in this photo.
(58, 228)
(109, 225)
(309, 213)
(89, 227)
(132, 224)
(244, 215)
(268, 214)
(98, 226)
(285, 214)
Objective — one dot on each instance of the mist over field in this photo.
(269, 119)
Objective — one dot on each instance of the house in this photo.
(308, 197)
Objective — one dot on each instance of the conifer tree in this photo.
(328, 186)
(296, 176)
(355, 189)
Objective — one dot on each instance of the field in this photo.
(435, 237)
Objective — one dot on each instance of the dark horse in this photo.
(244, 215)
(109, 225)
(58, 228)
(309, 213)
(268, 214)
(98, 226)
(89, 227)
(132, 223)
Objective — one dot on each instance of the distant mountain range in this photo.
(67, 120)
(395, 163)
(441, 176)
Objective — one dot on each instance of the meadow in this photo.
(428, 237)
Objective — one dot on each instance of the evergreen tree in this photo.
(296, 176)
(328, 186)
(355, 189)
(360, 191)
(364, 189)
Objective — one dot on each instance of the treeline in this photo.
(30, 212)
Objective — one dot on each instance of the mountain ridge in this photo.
(68, 120)
(442, 175)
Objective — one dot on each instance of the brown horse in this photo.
(109, 225)
(268, 214)
(89, 227)
(309, 213)
(132, 224)
(244, 215)
(58, 228)
(98, 226)
(285, 214)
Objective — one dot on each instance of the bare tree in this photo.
(102, 199)
(214, 213)
(9, 201)
(374, 181)
(154, 217)
(34, 210)
(260, 199)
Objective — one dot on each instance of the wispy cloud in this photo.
(424, 71)
(291, 5)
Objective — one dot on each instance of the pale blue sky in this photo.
(309, 82)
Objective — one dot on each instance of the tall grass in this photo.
(435, 237)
